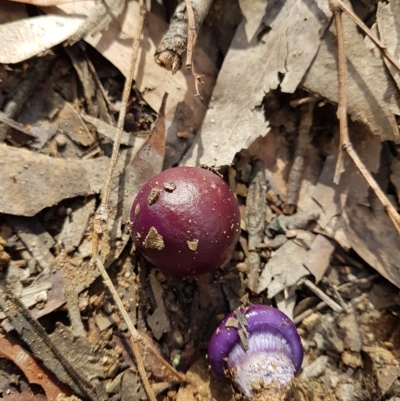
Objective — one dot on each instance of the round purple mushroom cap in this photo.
(186, 221)
(259, 348)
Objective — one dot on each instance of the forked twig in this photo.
(345, 143)
(364, 28)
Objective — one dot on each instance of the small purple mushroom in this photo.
(259, 349)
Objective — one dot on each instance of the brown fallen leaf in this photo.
(372, 96)
(319, 256)
(253, 67)
(184, 111)
(389, 32)
(285, 268)
(29, 182)
(33, 371)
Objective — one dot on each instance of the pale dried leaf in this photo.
(319, 256)
(352, 187)
(235, 117)
(372, 235)
(184, 111)
(30, 182)
(389, 31)
(98, 18)
(284, 269)
(253, 12)
(372, 96)
(26, 38)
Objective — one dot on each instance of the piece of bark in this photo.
(173, 46)
(33, 371)
(255, 221)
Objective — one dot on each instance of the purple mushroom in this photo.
(259, 349)
(186, 221)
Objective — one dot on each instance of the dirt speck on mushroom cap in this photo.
(201, 207)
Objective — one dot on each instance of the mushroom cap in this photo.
(260, 318)
(186, 221)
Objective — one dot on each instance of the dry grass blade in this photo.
(345, 142)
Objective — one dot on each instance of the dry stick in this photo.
(364, 28)
(330, 302)
(192, 38)
(101, 219)
(345, 143)
(296, 172)
(136, 336)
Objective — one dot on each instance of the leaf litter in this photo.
(338, 236)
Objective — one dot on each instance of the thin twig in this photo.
(192, 38)
(364, 28)
(102, 214)
(192, 34)
(136, 336)
(101, 217)
(342, 102)
(345, 143)
(330, 302)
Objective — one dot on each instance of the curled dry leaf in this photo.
(33, 371)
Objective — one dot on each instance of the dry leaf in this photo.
(284, 269)
(372, 235)
(389, 32)
(372, 96)
(184, 111)
(30, 182)
(319, 256)
(33, 371)
(26, 38)
(235, 117)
